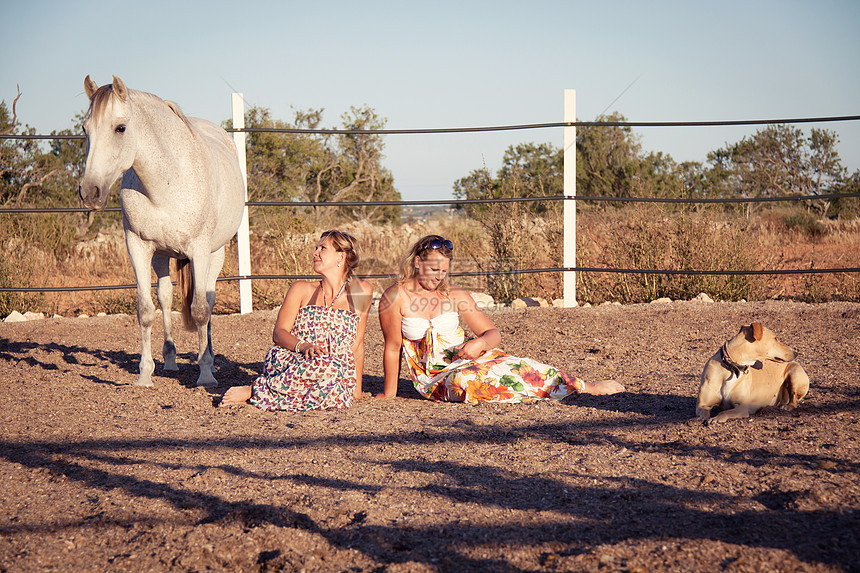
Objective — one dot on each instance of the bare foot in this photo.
(236, 395)
(602, 388)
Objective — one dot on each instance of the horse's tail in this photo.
(186, 290)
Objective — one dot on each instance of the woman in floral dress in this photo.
(420, 316)
(318, 356)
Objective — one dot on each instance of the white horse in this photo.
(182, 197)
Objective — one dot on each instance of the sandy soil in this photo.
(100, 475)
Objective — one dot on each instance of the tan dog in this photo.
(751, 370)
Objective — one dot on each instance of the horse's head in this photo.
(110, 140)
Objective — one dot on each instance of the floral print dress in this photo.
(493, 377)
(293, 382)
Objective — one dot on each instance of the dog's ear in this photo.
(757, 331)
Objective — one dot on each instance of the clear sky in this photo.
(461, 63)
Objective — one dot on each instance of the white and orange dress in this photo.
(495, 376)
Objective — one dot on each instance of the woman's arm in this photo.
(390, 319)
(296, 297)
(363, 298)
(487, 336)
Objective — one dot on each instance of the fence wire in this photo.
(771, 272)
(518, 127)
(684, 200)
(688, 200)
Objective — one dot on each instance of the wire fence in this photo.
(455, 202)
(679, 200)
(517, 127)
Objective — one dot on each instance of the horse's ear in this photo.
(90, 86)
(119, 89)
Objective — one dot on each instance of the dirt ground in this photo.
(98, 474)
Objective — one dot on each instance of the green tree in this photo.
(658, 175)
(778, 160)
(609, 163)
(8, 153)
(515, 237)
(320, 167)
(33, 174)
(358, 174)
(30, 174)
(847, 207)
(607, 159)
(282, 166)
(528, 170)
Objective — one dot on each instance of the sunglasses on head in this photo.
(439, 243)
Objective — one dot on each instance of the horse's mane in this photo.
(174, 107)
(99, 101)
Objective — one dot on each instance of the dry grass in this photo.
(506, 238)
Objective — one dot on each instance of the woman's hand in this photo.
(471, 349)
(309, 349)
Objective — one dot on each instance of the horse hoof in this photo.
(171, 367)
(144, 383)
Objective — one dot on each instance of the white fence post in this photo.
(243, 238)
(569, 259)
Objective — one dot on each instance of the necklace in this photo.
(343, 286)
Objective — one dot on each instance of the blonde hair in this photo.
(344, 243)
(420, 250)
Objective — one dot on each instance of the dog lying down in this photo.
(751, 370)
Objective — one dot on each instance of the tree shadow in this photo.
(622, 509)
(666, 407)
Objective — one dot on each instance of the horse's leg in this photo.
(165, 301)
(201, 313)
(216, 261)
(140, 254)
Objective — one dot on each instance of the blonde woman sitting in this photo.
(318, 356)
(420, 316)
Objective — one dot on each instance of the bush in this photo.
(653, 238)
(518, 240)
(802, 221)
(16, 272)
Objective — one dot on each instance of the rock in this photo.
(483, 300)
(662, 300)
(15, 316)
(526, 301)
(34, 316)
(702, 297)
(559, 303)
